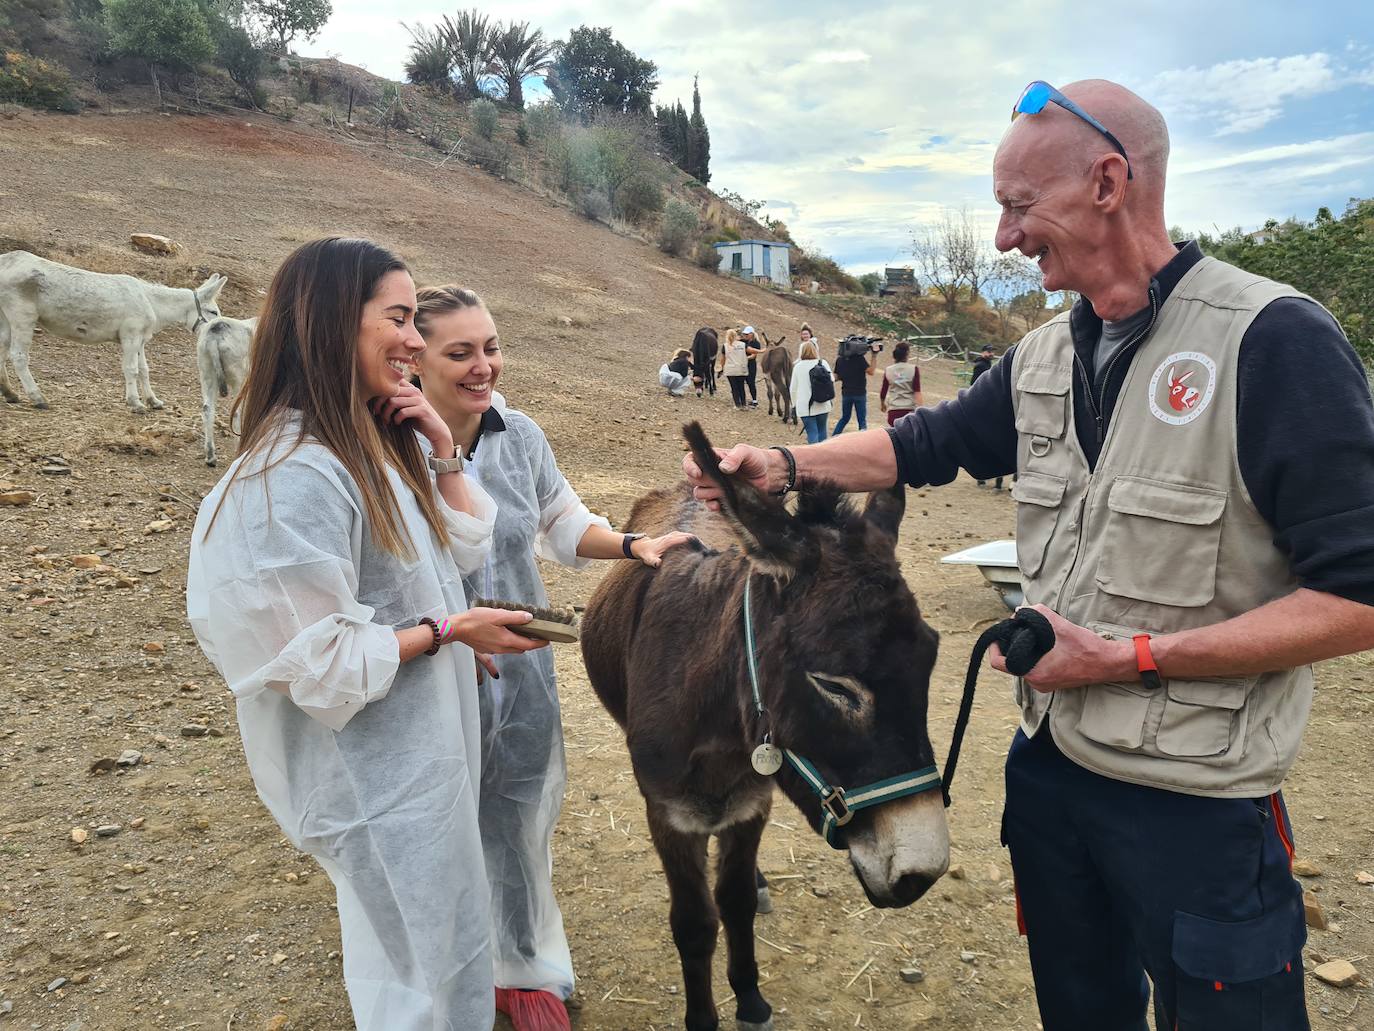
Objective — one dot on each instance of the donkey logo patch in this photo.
(1182, 387)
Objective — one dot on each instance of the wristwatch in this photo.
(446, 465)
(627, 541)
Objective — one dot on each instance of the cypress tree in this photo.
(699, 145)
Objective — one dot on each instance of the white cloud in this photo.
(839, 57)
(859, 122)
(1246, 95)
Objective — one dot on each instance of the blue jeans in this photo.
(1117, 880)
(815, 427)
(855, 404)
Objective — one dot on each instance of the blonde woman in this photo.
(734, 362)
(814, 413)
(523, 768)
(325, 586)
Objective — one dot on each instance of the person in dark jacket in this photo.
(982, 363)
(751, 379)
(852, 371)
(1196, 446)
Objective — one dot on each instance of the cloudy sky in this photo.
(857, 121)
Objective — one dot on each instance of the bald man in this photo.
(1195, 447)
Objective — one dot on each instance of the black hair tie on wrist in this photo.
(433, 629)
(627, 541)
(791, 483)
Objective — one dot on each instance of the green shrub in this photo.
(730, 233)
(168, 35)
(92, 38)
(594, 204)
(871, 282)
(544, 119)
(640, 197)
(242, 59)
(965, 329)
(33, 82)
(679, 223)
(484, 117)
(390, 110)
(522, 134)
(706, 256)
(490, 155)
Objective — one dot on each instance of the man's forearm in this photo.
(852, 461)
(1300, 628)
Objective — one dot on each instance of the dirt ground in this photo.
(196, 913)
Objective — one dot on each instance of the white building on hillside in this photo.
(756, 260)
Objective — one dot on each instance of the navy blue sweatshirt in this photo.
(1305, 423)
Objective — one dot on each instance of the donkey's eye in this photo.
(842, 689)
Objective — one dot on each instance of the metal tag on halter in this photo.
(767, 759)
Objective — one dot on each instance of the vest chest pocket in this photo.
(1039, 497)
(1042, 405)
(1161, 542)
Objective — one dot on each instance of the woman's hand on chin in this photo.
(409, 404)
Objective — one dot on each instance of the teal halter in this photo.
(838, 804)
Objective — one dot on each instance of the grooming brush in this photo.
(557, 625)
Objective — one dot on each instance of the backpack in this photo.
(822, 385)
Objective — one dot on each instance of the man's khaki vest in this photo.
(1161, 537)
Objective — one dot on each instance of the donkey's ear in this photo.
(885, 508)
(774, 542)
(210, 289)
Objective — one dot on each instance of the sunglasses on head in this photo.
(1039, 93)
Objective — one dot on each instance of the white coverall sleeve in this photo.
(469, 536)
(563, 518)
(272, 595)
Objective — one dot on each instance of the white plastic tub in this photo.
(996, 560)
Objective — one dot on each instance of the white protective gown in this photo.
(523, 766)
(368, 765)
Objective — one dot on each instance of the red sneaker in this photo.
(533, 1010)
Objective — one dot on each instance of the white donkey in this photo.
(222, 347)
(81, 305)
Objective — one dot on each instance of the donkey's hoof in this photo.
(155, 403)
(749, 1025)
(139, 409)
(765, 901)
(41, 404)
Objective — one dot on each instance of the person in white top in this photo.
(325, 585)
(523, 766)
(805, 334)
(814, 414)
(734, 362)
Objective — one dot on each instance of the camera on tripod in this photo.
(857, 345)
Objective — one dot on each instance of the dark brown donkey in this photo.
(843, 663)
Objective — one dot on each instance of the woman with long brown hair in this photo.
(325, 585)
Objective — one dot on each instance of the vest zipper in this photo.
(1128, 349)
(1100, 402)
(1083, 503)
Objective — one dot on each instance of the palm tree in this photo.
(430, 63)
(519, 53)
(469, 36)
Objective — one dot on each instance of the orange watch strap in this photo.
(1145, 662)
